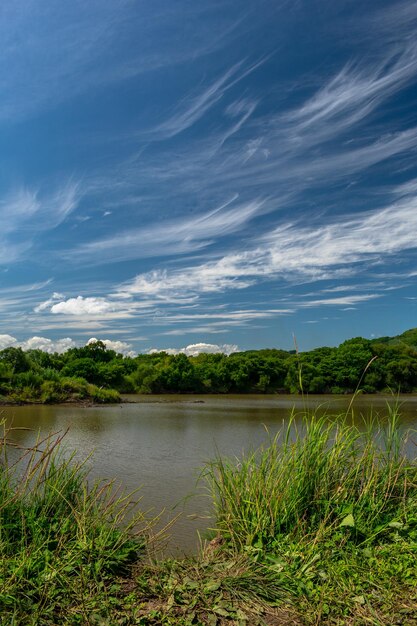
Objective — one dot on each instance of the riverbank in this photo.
(319, 527)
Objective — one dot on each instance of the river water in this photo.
(161, 443)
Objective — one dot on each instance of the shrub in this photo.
(107, 396)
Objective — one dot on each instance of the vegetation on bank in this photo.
(62, 542)
(94, 373)
(318, 527)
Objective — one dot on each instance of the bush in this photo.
(105, 396)
(51, 392)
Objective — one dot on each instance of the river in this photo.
(160, 443)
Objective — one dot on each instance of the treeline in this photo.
(78, 375)
(95, 373)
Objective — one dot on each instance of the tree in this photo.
(16, 359)
(82, 368)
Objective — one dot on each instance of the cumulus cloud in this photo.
(48, 345)
(37, 343)
(43, 306)
(197, 348)
(121, 347)
(83, 306)
(61, 345)
(6, 341)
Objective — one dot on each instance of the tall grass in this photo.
(61, 540)
(327, 477)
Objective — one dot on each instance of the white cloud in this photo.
(318, 140)
(61, 345)
(195, 106)
(121, 347)
(293, 252)
(198, 348)
(343, 300)
(179, 236)
(83, 306)
(37, 343)
(353, 93)
(225, 317)
(209, 277)
(6, 341)
(26, 212)
(43, 306)
(48, 345)
(197, 330)
(32, 209)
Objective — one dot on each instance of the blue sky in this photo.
(205, 174)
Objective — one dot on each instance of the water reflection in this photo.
(161, 442)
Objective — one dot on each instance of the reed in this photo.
(325, 476)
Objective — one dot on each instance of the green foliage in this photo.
(51, 392)
(84, 367)
(317, 527)
(175, 374)
(103, 395)
(381, 365)
(61, 541)
(15, 358)
(314, 482)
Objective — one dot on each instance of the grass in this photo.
(329, 476)
(62, 543)
(333, 511)
(317, 527)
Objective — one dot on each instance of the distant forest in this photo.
(94, 373)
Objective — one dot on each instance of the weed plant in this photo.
(62, 544)
(331, 508)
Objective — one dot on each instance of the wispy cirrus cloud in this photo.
(394, 22)
(286, 154)
(293, 251)
(224, 316)
(90, 45)
(24, 213)
(180, 236)
(196, 106)
(352, 94)
(341, 301)
(195, 349)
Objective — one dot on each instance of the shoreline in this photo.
(155, 398)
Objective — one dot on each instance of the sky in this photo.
(202, 176)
